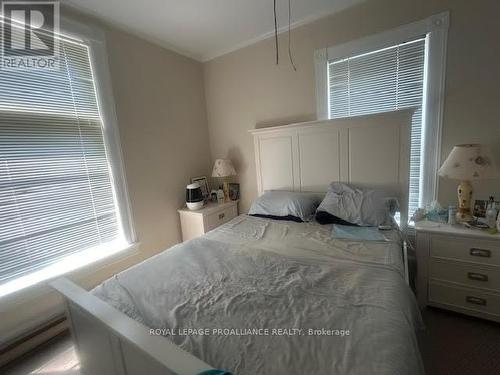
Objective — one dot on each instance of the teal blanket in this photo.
(346, 232)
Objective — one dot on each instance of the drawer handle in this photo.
(477, 276)
(480, 253)
(475, 300)
(221, 216)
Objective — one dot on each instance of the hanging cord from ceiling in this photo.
(290, 55)
(289, 35)
(276, 35)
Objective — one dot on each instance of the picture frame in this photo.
(480, 206)
(205, 188)
(234, 191)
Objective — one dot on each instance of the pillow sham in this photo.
(363, 207)
(285, 205)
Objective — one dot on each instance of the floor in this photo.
(57, 357)
(452, 345)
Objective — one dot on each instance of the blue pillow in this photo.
(285, 205)
(360, 206)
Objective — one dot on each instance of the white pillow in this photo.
(285, 205)
(364, 207)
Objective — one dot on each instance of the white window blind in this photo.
(56, 188)
(379, 81)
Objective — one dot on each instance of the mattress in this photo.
(257, 296)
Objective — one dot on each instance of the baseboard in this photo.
(31, 341)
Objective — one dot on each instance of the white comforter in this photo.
(293, 301)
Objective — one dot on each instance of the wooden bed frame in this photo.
(110, 343)
(367, 150)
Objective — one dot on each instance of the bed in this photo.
(258, 296)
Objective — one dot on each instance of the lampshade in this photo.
(223, 168)
(469, 162)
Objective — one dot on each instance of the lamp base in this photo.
(464, 217)
(464, 191)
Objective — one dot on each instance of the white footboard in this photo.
(110, 343)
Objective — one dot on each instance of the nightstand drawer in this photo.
(465, 249)
(466, 274)
(220, 217)
(464, 298)
(198, 222)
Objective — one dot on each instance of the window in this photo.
(386, 72)
(59, 197)
(384, 80)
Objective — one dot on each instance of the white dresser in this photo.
(196, 223)
(458, 269)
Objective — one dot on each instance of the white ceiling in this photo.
(204, 29)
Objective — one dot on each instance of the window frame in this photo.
(435, 28)
(95, 39)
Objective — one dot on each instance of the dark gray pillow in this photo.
(284, 204)
(324, 217)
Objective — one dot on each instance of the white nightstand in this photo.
(458, 269)
(196, 223)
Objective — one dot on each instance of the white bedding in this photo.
(257, 274)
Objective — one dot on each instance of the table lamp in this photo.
(223, 168)
(465, 163)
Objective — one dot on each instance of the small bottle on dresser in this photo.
(220, 195)
(452, 215)
(491, 213)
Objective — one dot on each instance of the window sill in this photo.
(83, 263)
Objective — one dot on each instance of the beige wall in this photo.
(245, 89)
(161, 113)
(160, 106)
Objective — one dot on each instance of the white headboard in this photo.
(371, 151)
